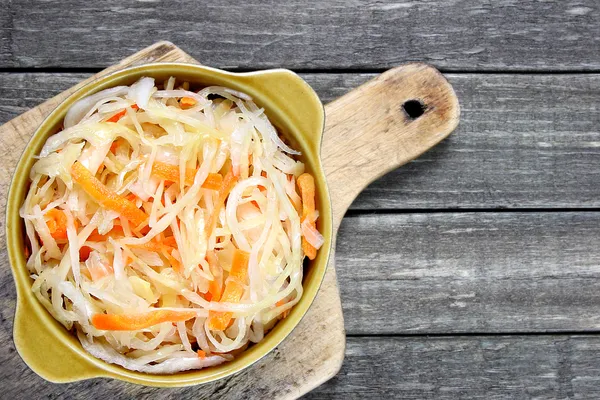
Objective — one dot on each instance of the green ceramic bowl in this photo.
(55, 353)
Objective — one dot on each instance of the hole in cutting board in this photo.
(414, 108)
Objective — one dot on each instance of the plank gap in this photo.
(508, 71)
(49, 70)
(383, 211)
(473, 334)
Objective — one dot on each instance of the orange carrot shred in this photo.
(84, 253)
(115, 144)
(213, 181)
(117, 116)
(233, 292)
(120, 114)
(239, 265)
(106, 197)
(175, 264)
(215, 287)
(306, 183)
(228, 183)
(201, 354)
(171, 173)
(134, 322)
(56, 220)
(169, 241)
(286, 312)
(187, 102)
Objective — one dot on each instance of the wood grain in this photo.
(460, 273)
(524, 141)
(308, 34)
(469, 367)
(373, 129)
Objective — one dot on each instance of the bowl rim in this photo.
(23, 281)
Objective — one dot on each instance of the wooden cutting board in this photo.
(373, 129)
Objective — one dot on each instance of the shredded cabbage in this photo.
(91, 258)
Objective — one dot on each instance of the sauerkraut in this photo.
(167, 227)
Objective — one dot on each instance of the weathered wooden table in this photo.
(472, 272)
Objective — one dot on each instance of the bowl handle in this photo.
(382, 125)
(58, 359)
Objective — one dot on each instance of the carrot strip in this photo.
(215, 287)
(117, 116)
(306, 183)
(286, 312)
(187, 102)
(229, 182)
(219, 321)
(113, 146)
(106, 197)
(233, 292)
(165, 247)
(213, 181)
(84, 253)
(57, 223)
(134, 322)
(175, 264)
(171, 173)
(239, 265)
(201, 354)
(170, 241)
(120, 114)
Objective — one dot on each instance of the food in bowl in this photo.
(167, 227)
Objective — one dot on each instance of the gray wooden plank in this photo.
(460, 34)
(524, 141)
(473, 367)
(6, 29)
(516, 367)
(21, 91)
(470, 272)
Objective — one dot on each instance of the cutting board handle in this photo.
(382, 125)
